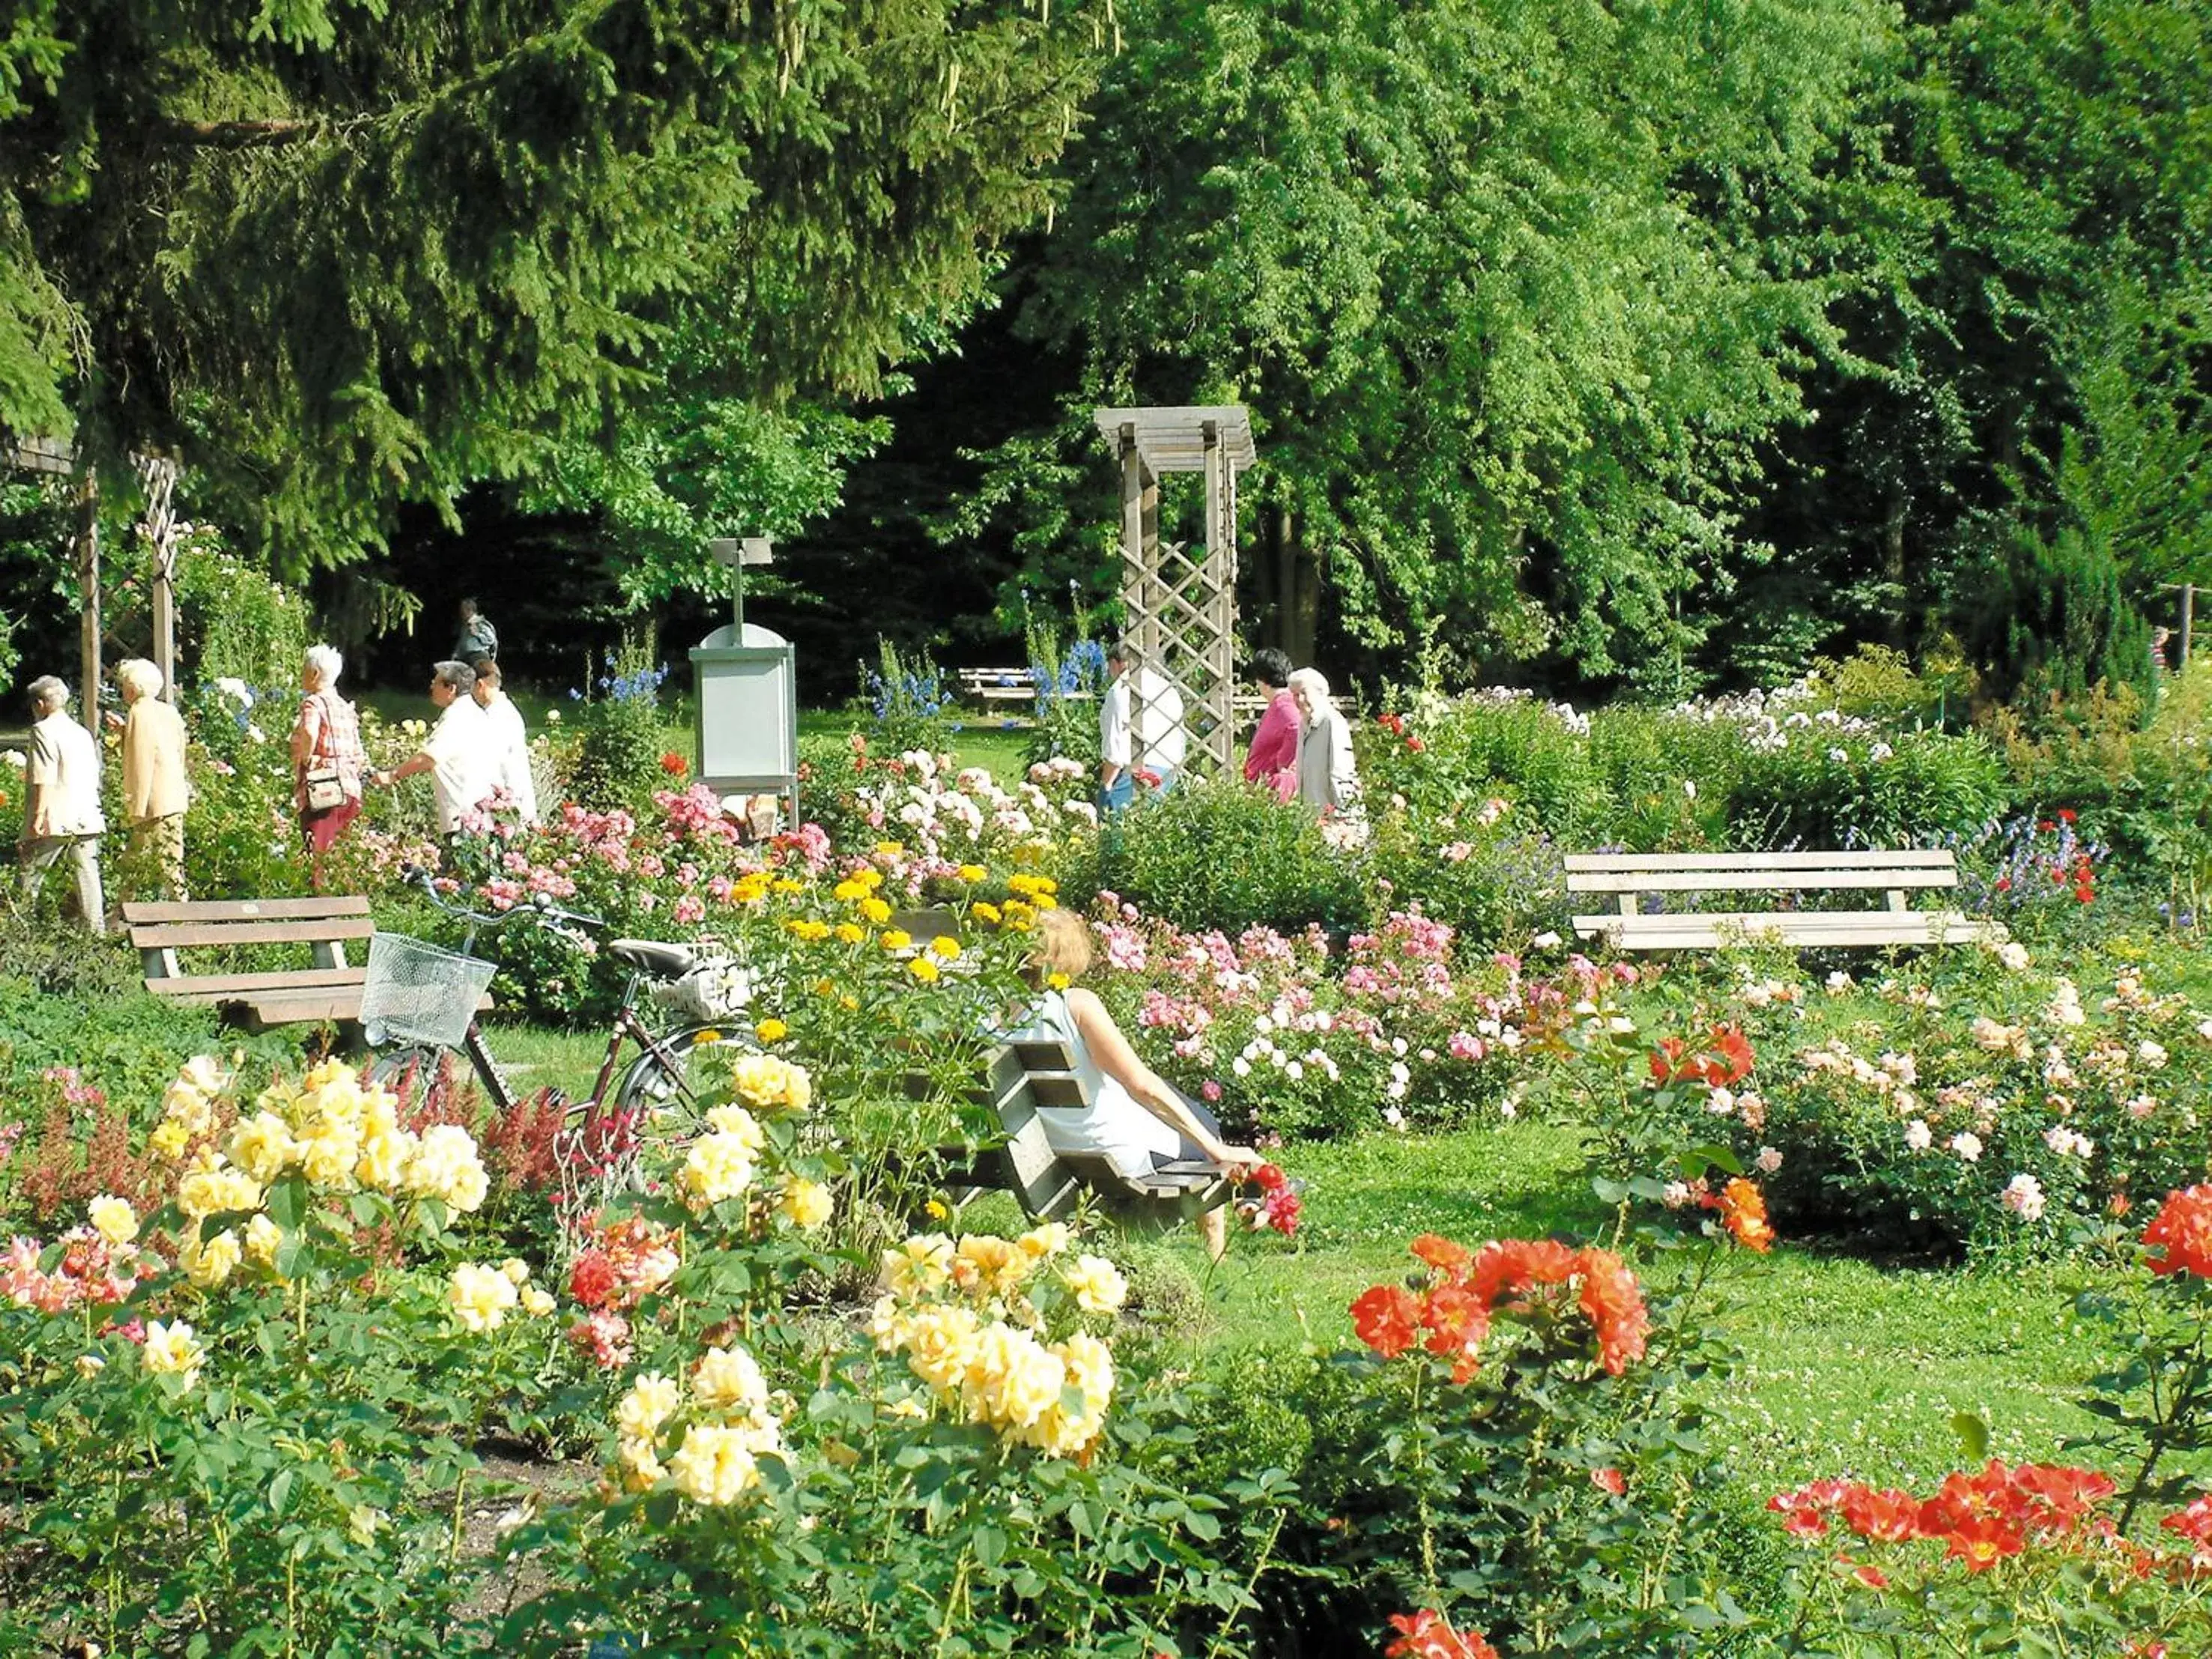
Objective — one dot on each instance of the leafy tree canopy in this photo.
(343, 254)
(1515, 290)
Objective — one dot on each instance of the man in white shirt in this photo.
(1140, 729)
(458, 752)
(508, 742)
(60, 802)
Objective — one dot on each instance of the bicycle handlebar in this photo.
(541, 906)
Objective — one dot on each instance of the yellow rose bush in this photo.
(973, 1457)
(204, 1392)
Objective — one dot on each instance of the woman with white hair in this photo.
(1327, 779)
(154, 789)
(327, 758)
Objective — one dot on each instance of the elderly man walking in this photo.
(61, 805)
(1140, 736)
(458, 752)
(508, 742)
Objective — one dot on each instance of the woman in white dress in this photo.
(1134, 1117)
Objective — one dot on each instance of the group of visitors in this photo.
(1302, 750)
(62, 818)
(478, 751)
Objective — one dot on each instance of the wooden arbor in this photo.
(1182, 609)
(157, 475)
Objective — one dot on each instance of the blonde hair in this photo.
(138, 677)
(1062, 945)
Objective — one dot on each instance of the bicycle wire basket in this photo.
(420, 993)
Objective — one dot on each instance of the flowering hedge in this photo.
(1973, 1099)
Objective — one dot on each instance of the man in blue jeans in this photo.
(1140, 730)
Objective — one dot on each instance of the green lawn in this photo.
(1847, 1366)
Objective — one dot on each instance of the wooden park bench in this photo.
(327, 988)
(1630, 876)
(1025, 1078)
(998, 685)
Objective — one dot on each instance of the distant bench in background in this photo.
(1630, 876)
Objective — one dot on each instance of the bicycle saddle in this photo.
(655, 956)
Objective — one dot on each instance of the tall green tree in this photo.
(1515, 290)
(2026, 400)
(343, 254)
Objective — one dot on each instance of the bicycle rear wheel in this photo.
(666, 1090)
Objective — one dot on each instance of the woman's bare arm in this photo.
(1104, 1038)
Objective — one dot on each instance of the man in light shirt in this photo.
(509, 742)
(1140, 730)
(60, 802)
(458, 752)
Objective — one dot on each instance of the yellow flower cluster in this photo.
(732, 1425)
(720, 1163)
(482, 1297)
(805, 1203)
(976, 1350)
(340, 1136)
(188, 1105)
(113, 1219)
(769, 1084)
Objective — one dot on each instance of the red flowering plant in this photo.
(1511, 1450)
(2054, 1559)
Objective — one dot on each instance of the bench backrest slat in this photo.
(1906, 858)
(183, 935)
(215, 911)
(1042, 1055)
(1716, 880)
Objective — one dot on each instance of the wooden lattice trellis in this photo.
(157, 475)
(1182, 608)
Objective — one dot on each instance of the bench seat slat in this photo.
(183, 935)
(1869, 928)
(1903, 859)
(1724, 880)
(137, 914)
(215, 988)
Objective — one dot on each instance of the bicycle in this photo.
(419, 1003)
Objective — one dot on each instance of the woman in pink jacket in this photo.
(1274, 758)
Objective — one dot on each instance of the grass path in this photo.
(1847, 1366)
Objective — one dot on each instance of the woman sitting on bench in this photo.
(1135, 1118)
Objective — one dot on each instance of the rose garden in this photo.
(1254, 831)
(1745, 1300)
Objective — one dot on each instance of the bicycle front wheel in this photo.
(411, 1071)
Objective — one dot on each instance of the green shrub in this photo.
(1219, 854)
(1837, 787)
(1499, 884)
(619, 763)
(1554, 1503)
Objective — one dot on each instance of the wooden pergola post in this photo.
(158, 475)
(86, 546)
(1182, 610)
